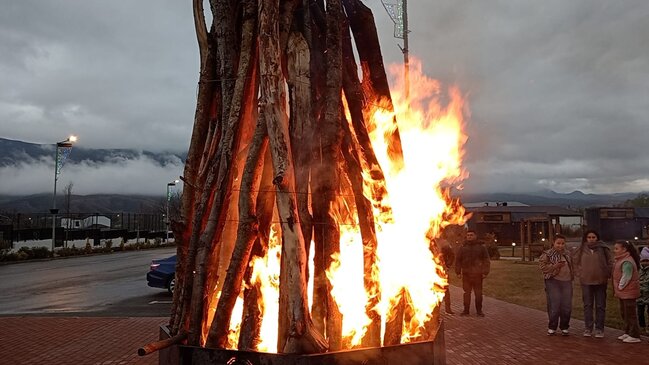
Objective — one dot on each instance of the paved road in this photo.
(99, 285)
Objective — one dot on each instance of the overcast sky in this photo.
(558, 90)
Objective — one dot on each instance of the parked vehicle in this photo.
(162, 273)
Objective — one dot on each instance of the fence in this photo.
(94, 227)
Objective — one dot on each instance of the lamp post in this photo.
(59, 160)
(168, 219)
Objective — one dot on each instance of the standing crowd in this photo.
(593, 263)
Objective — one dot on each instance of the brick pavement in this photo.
(77, 340)
(512, 334)
(509, 334)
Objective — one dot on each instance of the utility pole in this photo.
(398, 12)
(59, 160)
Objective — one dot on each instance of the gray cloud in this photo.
(557, 89)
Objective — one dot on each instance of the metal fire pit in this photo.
(431, 352)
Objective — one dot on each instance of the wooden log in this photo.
(162, 344)
(375, 81)
(356, 103)
(331, 134)
(301, 336)
(394, 325)
(301, 127)
(314, 16)
(252, 313)
(246, 235)
(366, 223)
(206, 91)
(222, 176)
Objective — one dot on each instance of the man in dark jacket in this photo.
(472, 264)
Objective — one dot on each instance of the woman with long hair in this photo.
(626, 284)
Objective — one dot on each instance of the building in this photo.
(619, 223)
(509, 224)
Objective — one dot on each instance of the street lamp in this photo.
(168, 220)
(59, 160)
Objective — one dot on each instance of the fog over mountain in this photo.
(28, 168)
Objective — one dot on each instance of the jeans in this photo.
(594, 295)
(472, 282)
(559, 296)
(642, 309)
(628, 311)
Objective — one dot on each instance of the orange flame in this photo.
(432, 141)
(407, 220)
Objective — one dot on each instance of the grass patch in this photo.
(522, 284)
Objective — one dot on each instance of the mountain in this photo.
(576, 199)
(15, 152)
(96, 203)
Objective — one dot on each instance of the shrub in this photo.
(108, 244)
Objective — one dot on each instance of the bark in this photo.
(253, 314)
(246, 235)
(315, 17)
(228, 145)
(356, 103)
(287, 10)
(331, 134)
(301, 127)
(191, 181)
(201, 30)
(375, 81)
(301, 336)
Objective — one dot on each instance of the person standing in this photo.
(557, 269)
(643, 301)
(626, 284)
(593, 264)
(472, 264)
(447, 258)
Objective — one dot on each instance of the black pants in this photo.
(447, 299)
(472, 282)
(642, 309)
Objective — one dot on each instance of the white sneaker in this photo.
(631, 340)
(623, 337)
(551, 332)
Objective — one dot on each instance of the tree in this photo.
(642, 200)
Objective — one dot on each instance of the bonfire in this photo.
(313, 193)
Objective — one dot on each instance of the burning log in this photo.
(375, 81)
(300, 335)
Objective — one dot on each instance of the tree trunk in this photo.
(246, 235)
(375, 81)
(301, 127)
(301, 336)
(234, 94)
(252, 314)
(192, 163)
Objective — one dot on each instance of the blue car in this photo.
(162, 274)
